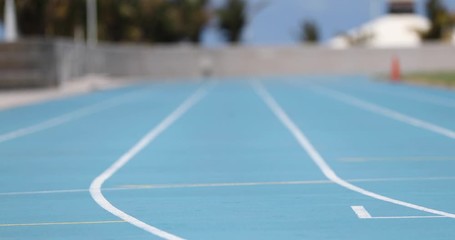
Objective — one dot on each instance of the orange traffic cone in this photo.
(395, 70)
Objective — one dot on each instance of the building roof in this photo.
(392, 30)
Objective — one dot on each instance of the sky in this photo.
(278, 23)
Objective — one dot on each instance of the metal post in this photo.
(11, 34)
(92, 23)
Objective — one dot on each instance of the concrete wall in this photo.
(181, 61)
(27, 64)
(328, 61)
(47, 63)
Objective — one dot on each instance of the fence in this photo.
(53, 62)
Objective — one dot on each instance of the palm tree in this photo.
(441, 22)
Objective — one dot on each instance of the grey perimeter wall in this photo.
(53, 62)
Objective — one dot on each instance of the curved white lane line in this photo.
(95, 187)
(322, 164)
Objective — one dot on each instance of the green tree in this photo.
(50, 18)
(153, 21)
(440, 21)
(114, 19)
(195, 16)
(63, 18)
(309, 32)
(232, 18)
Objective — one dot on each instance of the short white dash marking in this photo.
(361, 212)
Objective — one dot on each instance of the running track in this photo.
(280, 158)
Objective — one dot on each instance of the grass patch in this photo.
(442, 79)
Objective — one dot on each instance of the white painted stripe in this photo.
(81, 112)
(408, 217)
(322, 164)
(436, 100)
(216, 185)
(43, 192)
(361, 212)
(57, 223)
(57, 191)
(402, 179)
(95, 187)
(393, 159)
(385, 112)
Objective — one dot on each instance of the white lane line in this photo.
(361, 212)
(408, 217)
(247, 184)
(43, 192)
(57, 223)
(322, 164)
(402, 179)
(351, 100)
(95, 187)
(81, 112)
(216, 185)
(392, 159)
(436, 100)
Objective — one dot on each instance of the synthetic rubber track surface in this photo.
(284, 158)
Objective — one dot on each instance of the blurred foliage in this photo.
(49, 17)
(309, 32)
(232, 19)
(152, 20)
(156, 21)
(441, 22)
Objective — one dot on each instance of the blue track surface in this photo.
(228, 167)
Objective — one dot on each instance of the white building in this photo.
(400, 27)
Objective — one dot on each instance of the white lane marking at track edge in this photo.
(385, 112)
(322, 164)
(55, 121)
(96, 185)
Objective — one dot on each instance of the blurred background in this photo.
(52, 42)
